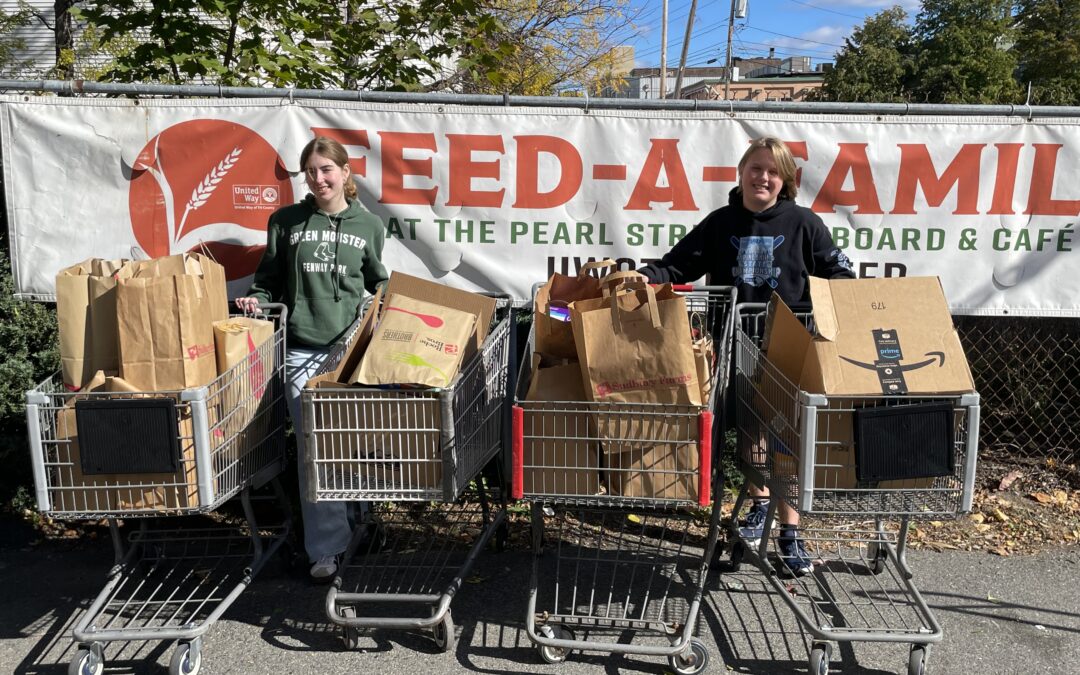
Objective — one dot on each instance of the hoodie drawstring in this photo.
(336, 227)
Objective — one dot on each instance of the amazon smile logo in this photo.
(934, 356)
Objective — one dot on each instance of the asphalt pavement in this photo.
(1018, 614)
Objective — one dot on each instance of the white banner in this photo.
(498, 198)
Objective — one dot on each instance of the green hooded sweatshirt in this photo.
(319, 265)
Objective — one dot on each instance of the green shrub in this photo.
(29, 352)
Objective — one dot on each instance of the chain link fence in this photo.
(1027, 372)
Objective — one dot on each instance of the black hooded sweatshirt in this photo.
(778, 249)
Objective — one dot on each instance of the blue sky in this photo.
(814, 28)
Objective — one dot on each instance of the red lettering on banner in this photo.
(1005, 181)
(347, 137)
(395, 167)
(609, 172)
(917, 168)
(719, 174)
(851, 160)
(664, 153)
(528, 156)
(1040, 201)
(463, 168)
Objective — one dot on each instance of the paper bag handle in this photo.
(595, 265)
(615, 280)
(632, 287)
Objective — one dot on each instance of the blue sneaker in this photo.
(753, 526)
(796, 561)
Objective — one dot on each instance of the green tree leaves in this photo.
(876, 64)
(301, 43)
(957, 51)
(1048, 50)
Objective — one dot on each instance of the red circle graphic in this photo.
(207, 183)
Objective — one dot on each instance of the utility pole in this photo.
(686, 48)
(730, 36)
(663, 53)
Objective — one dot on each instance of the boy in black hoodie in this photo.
(760, 242)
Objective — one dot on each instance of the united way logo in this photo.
(755, 262)
(207, 184)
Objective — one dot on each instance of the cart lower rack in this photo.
(407, 562)
(173, 582)
(618, 572)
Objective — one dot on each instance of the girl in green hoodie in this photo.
(321, 255)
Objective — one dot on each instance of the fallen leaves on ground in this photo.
(1013, 512)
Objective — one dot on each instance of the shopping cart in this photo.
(157, 457)
(417, 455)
(629, 554)
(808, 448)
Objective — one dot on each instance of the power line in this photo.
(792, 37)
(825, 9)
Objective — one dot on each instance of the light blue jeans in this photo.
(326, 524)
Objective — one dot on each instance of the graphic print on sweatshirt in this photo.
(324, 251)
(755, 260)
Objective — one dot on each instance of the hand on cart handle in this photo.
(248, 305)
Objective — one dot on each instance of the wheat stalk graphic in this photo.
(207, 185)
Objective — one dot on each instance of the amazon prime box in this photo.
(872, 338)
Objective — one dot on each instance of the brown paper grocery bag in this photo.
(238, 339)
(561, 454)
(635, 346)
(241, 356)
(165, 309)
(86, 318)
(704, 356)
(417, 343)
(553, 336)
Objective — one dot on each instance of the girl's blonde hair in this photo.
(335, 152)
(784, 162)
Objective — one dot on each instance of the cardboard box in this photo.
(554, 464)
(873, 337)
(429, 291)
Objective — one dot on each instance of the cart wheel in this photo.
(916, 664)
(875, 557)
(350, 635)
(737, 552)
(444, 633)
(819, 658)
(555, 654)
(182, 661)
(695, 661)
(85, 663)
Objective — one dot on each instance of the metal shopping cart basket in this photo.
(845, 462)
(156, 457)
(629, 555)
(417, 455)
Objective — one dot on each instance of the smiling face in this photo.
(326, 180)
(760, 180)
